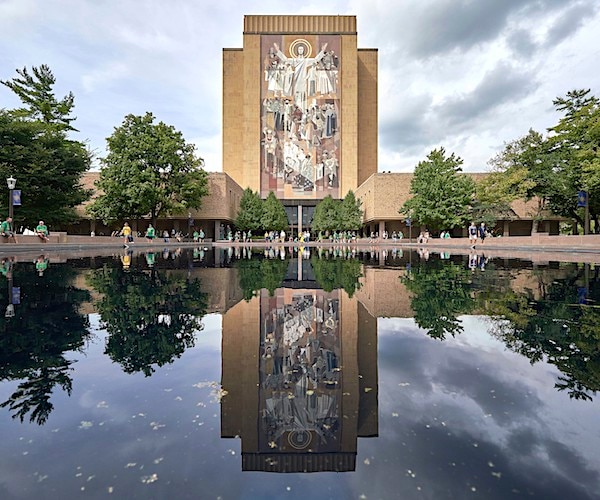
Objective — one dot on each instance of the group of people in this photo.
(150, 234)
(476, 232)
(7, 230)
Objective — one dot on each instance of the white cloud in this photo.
(465, 75)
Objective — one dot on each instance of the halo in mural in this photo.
(299, 440)
(297, 52)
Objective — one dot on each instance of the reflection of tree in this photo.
(47, 324)
(441, 292)
(337, 273)
(151, 317)
(258, 273)
(554, 327)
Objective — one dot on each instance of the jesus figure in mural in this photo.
(300, 66)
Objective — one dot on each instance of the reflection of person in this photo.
(41, 264)
(6, 267)
(42, 231)
(126, 260)
(482, 231)
(150, 258)
(6, 229)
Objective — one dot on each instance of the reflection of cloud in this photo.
(471, 414)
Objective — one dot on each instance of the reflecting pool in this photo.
(282, 373)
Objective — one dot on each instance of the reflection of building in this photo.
(300, 371)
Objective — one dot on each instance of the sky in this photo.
(466, 75)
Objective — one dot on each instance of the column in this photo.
(217, 229)
(299, 220)
(505, 228)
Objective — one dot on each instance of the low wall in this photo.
(54, 237)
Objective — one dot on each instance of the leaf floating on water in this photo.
(149, 479)
(394, 414)
(102, 404)
(85, 424)
(368, 389)
(130, 464)
(158, 460)
(404, 384)
(178, 398)
(155, 426)
(310, 392)
(366, 461)
(272, 444)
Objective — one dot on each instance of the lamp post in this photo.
(11, 183)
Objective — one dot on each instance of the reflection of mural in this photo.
(300, 375)
(300, 116)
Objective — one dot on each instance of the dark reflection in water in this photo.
(418, 375)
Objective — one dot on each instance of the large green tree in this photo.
(150, 170)
(36, 150)
(442, 194)
(327, 215)
(521, 171)
(249, 216)
(274, 217)
(574, 153)
(350, 213)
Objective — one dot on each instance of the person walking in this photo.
(472, 234)
(482, 231)
(127, 235)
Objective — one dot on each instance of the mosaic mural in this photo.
(300, 373)
(300, 116)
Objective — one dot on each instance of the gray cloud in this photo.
(522, 43)
(503, 85)
(569, 22)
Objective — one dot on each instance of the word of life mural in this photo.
(300, 116)
(300, 376)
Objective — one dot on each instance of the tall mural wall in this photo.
(300, 116)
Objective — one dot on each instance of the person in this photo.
(472, 234)
(41, 264)
(42, 231)
(166, 236)
(196, 236)
(482, 231)
(126, 233)
(6, 229)
(150, 232)
(447, 235)
(201, 235)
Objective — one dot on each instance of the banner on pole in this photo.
(16, 197)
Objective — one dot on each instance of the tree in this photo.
(327, 215)
(350, 213)
(573, 151)
(35, 149)
(48, 323)
(442, 195)
(250, 214)
(274, 217)
(149, 171)
(35, 91)
(151, 317)
(521, 171)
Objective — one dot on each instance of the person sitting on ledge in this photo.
(42, 231)
(6, 229)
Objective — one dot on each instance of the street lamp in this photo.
(11, 183)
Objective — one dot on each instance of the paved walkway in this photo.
(536, 247)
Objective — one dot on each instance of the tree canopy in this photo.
(250, 213)
(150, 170)
(338, 215)
(274, 217)
(36, 150)
(442, 195)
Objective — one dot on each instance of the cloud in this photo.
(505, 84)
(568, 22)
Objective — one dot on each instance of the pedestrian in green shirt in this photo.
(150, 233)
(6, 229)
